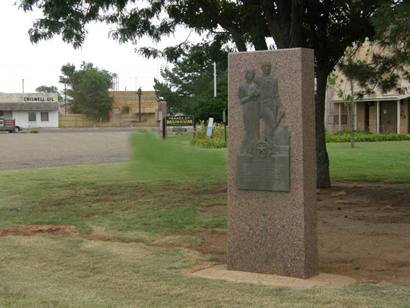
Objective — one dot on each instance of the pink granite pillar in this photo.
(275, 231)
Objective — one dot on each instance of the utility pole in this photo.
(65, 98)
(139, 93)
(22, 85)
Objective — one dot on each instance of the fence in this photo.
(81, 121)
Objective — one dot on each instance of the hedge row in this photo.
(365, 137)
(218, 137)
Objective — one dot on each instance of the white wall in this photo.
(21, 118)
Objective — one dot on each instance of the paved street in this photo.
(63, 147)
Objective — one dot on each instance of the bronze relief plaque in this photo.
(263, 160)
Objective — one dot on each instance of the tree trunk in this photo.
(352, 115)
(322, 158)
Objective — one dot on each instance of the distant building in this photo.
(126, 111)
(376, 113)
(31, 110)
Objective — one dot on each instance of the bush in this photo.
(365, 137)
(216, 141)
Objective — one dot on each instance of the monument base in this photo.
(322, 280)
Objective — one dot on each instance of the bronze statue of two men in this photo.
(260, 101)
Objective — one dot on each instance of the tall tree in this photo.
(88, 89)
(188, 85)
(327, 26)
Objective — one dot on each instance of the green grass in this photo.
(175, 160)
(376, 161)
(72, 272)
(133, 220)
(104, 197)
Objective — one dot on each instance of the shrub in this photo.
(365, 137)
(216, 141)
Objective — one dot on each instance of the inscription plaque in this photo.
(263, 160)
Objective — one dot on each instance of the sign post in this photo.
(180, 124)
(210, 127)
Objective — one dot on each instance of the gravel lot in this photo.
(64, 147)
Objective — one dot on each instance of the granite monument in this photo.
(271, 173)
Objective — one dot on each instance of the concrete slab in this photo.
(322, 280)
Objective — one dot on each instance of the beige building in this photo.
(126, 110)
(376, 113)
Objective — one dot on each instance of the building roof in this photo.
(375, 98)
(46, 106)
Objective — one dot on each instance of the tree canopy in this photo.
(49, 89)
(327, 26)
(188, 85)
(387, 60)
(88, 90)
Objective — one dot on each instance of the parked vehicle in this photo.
(9, 125)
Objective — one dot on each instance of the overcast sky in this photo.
(40, 64)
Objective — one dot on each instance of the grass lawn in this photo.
(133, 222)
(370, 161)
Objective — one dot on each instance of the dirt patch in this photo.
(363, 232)
(213, 244)
(30, 230)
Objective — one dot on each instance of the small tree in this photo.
(351, 69)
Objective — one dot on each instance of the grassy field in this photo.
(134, 225)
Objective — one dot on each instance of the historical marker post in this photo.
(271, 173)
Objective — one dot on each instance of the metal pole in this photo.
(139, 104)
(398, 116)
(22, 85)
(214, 79)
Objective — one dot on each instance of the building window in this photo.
(6, 115)
(32, 117)
(336, 119)
(44, 117)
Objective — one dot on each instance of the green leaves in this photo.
(88, 89)
(188, 85)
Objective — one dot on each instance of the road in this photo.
(63, 147)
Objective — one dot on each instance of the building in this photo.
(126, 110)
(375, 113)
(31, 110)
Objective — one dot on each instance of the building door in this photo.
(388, 117)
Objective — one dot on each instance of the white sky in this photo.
(40, 64)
